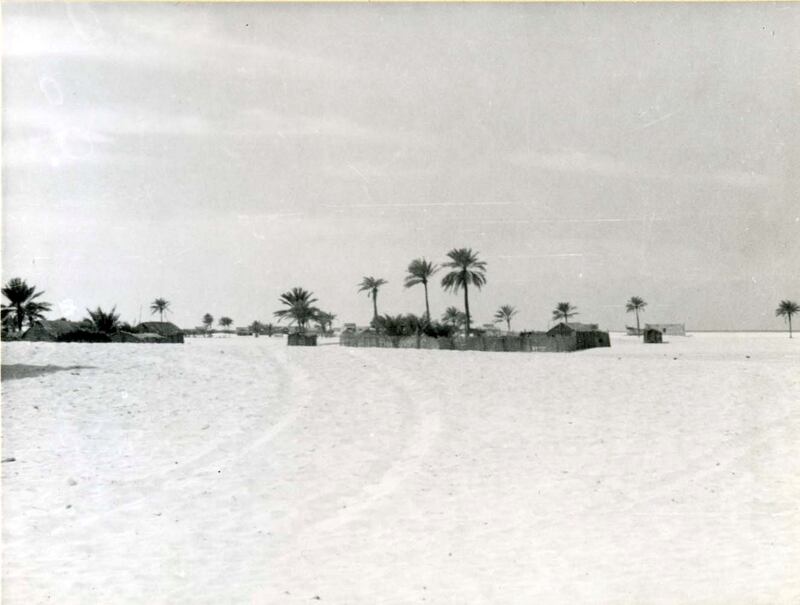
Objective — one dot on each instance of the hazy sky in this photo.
(217, 155)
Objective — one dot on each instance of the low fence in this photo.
(524, 343)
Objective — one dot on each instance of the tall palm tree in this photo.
(371, 285)
(453, 317)
(786, 309)
(159, 305)
(564, 311)
(636, 304)
(225, 321)
(22, 303)
(101, 321)
(419, 272)
(466, 270)
(300, 307)
(505, 313)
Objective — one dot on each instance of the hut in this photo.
(50, 330)
(575, 336)
(652, 336)
(169, 332)
(296, 339)
(668, 329)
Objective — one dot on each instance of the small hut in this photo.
(168, 331)
(652, 336)
(50, 330)
(576, 336)
(302, 340)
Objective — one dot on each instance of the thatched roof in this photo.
(573, 326)
(57, 327)
(162, 328)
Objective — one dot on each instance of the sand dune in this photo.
(241, 471)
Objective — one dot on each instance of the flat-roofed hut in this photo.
(169, 332)
(668, 329)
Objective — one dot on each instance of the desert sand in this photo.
(238, 470)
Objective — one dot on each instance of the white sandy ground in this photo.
(240, 471)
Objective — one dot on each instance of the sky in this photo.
(218, 155)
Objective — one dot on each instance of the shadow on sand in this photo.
(16, 371)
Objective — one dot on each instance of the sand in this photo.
(238, 470)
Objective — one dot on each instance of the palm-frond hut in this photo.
(169, 332)
(652, 336)
(48, 330)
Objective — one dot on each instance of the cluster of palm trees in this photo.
(299, 309)
(465, 270)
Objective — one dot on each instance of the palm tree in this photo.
(22, 303)
(324, 321)
(466, 269)
(505, 313)
(225, 321)
(159, 305)
(564, 311)
(34, 311)
(101, 321)
(370, 285)
(300, 307)
(453, 317)
(636, 304)
(786, 309)
(208, 321)
(419, 272)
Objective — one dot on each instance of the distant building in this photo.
(634, 331)
(668, 329)
(167, 330)
(50, 330)
(652, 336)
(244, 332)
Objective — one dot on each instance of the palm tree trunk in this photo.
(375, 305)
(427, 306)
(508, 324)
(466, 309)
(790, 325)
(638, 331)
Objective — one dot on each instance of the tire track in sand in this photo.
(154, 482)
(426, 419)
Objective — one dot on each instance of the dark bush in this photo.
(83, 336)
(438, 330)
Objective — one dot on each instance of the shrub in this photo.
(82, 335)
